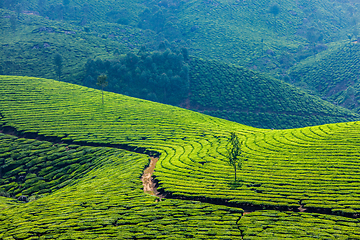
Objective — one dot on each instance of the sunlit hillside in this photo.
(82, 174)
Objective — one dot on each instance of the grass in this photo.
(315, 167)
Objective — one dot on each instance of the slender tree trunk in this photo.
(102, 94)
(275, 23)
(59, 72)
(235, 172)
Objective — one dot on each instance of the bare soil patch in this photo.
(149, 184)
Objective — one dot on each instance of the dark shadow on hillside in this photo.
(13, 131)
(233, 185)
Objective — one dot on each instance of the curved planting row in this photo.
(313, 168)
(256, 99)
(105, 201)
(316, 168)
(290, 225)
(29, 167)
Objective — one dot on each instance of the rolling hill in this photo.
(334, 76)
(29, 49)
(216, 88)
(254, 99)
(255, 34)
(71, 166)
(313, 169)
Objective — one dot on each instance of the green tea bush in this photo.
(313, 168)
(247, 97)
(334, 75)
(106, 201)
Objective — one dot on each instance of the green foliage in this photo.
(313, 167)
(231, 31)
(274, 9)
(255, 99)
(29, 167)
(283, 225)
(157, 76)
(101, 81)
(193, 145)
(332, 74)
(13, 22)
(234, 155)
(30, 50)
(41, 39)
(107, 201)
(58, 64)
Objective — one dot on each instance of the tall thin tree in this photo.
(102, 82)
(234, 154)
(58, 59)
(274, 9)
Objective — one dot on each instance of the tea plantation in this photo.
(106, 202)
(29, 50)
(333, 75)
(290, 225)
(245, 33)
(248, 97)
(313, 169)
(214, 88)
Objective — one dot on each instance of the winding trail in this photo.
(149, 183)
(150, 186)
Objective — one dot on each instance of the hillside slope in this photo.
(214, 88)
(29, 45)
(217, 89)
(256, 34)
(334, 76)
(250, 98)
(314, 169)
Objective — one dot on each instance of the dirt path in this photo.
(148, 181)
(150, 187)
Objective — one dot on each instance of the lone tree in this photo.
(101, 81)
(274, 10)
(13, 22)
(58, 64)
(234, 154)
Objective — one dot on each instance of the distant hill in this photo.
(256, 99)
(29, 49)
(334, 76)
(257, 34)
(215, 88)
(250, 98)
